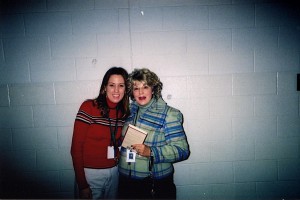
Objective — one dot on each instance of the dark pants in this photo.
(141, 189)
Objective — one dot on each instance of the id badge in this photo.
(130, 155)
(110, 152)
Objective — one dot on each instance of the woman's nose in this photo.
(141, 90)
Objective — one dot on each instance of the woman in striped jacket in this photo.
(150, 172)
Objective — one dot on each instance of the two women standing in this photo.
(97, 136)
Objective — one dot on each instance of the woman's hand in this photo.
(142, 150)
(85, 193)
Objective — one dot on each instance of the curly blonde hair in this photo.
(146, 76)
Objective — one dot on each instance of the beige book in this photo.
(133, 135)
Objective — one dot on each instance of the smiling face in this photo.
(115, 88)
(142, 93)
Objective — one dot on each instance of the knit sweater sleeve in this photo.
(81, 125)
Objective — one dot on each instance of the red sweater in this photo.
(91, 137)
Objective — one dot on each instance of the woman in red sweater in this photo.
(96, 137)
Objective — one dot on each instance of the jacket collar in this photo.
(156, 106)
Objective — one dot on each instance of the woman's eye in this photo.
(135, 89)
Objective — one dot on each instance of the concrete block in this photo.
(243, 106)
(220, 129)
(31, 94)
(221, 172)
(16, 117)
(54, 115)
(231, 16)
(254, 127)
(74, 5)
(5, 140)
(65, 135)
(31, 48)
(174, 91)
(48, 160)
(200, 151)
(103, 4)
(67, 180)
(259, 170)
(197, 109)
(287, 148)
(265, 148)
(254, 84)
(194, 192)
(288, 126)
(220, 107)
(287, 83)
(89, 69)
(163, 43)
(48, 23)
(146, 19)
(74, 46)
(114, 44)
(223, 191)
(4, 99)
(217, 85)
(222, 150)
(185, 18)
(244, 149)
(53, 70)
(76, 92)
(209, 41)
(276, 105)
(249, 39)
(35, 138)
(289, 38)
(288, 169)
(276, 60)
(12, 25)
(231, 62)
(23, 161)
(95, 21)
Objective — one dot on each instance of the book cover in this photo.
(133, 135)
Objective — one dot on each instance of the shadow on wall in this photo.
(14, 182)
(17, 184)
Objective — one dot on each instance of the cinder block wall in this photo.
(229, 65)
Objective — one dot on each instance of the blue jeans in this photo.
(103, 182)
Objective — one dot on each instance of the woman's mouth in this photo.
(142, 98)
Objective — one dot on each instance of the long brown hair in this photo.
(123, 105)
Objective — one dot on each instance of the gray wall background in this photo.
(229, 65)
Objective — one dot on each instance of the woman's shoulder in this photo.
(173, 110)
(173, 114)
(88, 104)
(165, 106)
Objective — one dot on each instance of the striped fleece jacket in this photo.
(166, 137)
